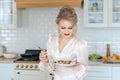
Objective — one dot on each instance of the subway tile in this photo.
(38, 23)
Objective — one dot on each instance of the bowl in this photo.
(10, 54)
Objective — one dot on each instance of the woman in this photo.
(66, 54)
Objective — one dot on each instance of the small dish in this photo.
(67, 65)
(10, 54)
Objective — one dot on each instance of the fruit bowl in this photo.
(10, 55)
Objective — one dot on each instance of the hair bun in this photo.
(67, 13)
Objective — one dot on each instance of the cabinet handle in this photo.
(18, 72)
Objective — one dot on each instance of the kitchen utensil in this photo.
(30, 54)
(1, 50)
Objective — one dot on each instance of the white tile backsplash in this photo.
(35, 24)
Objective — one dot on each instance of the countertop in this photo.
(94, 63)
(6, 60)
(91, 63)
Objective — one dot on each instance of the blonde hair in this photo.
(67, 13)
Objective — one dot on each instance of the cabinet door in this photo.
(114, 13)
(6, 71)
(116, 73)
(98, 73)
(7, 13)
(97, 78)
(95, 13)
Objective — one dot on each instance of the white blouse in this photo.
(75, 50)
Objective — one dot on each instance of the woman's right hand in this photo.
(43, 56)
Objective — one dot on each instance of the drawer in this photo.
(96, 78)
(99, 71)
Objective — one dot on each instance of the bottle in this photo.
(95, 6)
(108, 50)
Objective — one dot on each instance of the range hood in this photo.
(46, 3)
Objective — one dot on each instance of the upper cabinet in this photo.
(46, 3)
(102, 13)
(7, 13)
(114, 12)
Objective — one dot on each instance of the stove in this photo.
(28, 60)
(26, 67)
(33, 65)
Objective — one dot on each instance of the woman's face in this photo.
(66, 28)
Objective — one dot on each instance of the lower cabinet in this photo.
(29, 75)
(99, 73)
(94, 73)
(6, 71)
(116, 73)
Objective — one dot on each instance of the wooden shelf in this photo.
(46, 3)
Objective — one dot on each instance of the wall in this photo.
(34, 25)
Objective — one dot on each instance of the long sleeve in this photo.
(44, 67)
(82, 58)
(48, 67)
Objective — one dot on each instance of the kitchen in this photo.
(34, 24)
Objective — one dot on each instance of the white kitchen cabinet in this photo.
(101, 13)
(99, 73)
(7, 14)
(114, 13)
(116, 73)
(6, 71)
